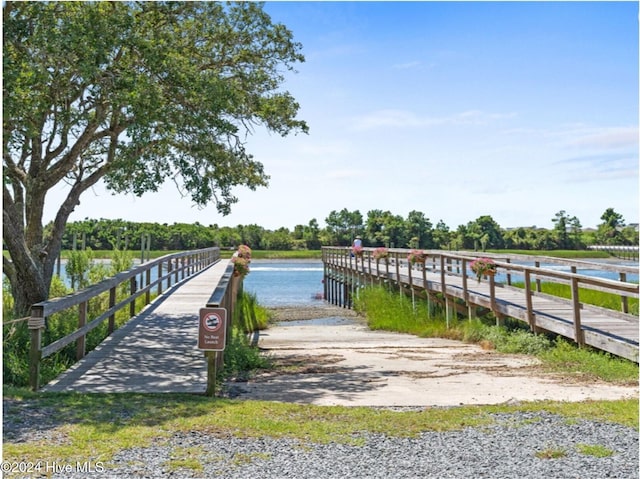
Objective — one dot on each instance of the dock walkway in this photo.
(156, 351)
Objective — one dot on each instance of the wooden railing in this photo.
(171, 269)
(624, 252)
(224, 296)
(447, 265)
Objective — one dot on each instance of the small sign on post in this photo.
(212, 329)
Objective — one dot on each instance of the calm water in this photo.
(285, 283)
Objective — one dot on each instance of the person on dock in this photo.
(357, 247)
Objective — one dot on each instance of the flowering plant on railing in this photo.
(240, 266)
(417, 257)
(357, 251)
(241, 261)
(380, 253)
(244, 252)
(483, 267)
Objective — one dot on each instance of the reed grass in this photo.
(249, 314)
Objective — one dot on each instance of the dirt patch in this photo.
(327, 362)
(299, 313)
(302, 364)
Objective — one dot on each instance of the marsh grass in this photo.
(589, 364)
(250, 315)
(388, 310)
(241, 357)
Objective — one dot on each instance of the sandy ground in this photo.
(326, 355)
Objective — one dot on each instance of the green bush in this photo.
(240, 358)
(516, 342)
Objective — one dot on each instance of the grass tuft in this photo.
(595, 450)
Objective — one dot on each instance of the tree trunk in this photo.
(29, 284)
(28, 290)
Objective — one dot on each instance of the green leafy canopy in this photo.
(133, 93)
(139, 92)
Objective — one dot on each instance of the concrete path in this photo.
(155, 351)
(334, 361)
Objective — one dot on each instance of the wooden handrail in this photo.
(187, 262)
(224, 296)
(603, 284)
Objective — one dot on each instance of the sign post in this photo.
(212, 338)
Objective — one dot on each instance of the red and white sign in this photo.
(212, 330)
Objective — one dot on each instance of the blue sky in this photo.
(455, 109)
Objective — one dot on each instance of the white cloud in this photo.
(601, 167)
(606, 138)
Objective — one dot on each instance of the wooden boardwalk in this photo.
(156, 351)
(603, 329)
(608, 330)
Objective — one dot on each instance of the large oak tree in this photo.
(133, 94)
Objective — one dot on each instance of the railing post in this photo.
(397, 259)
(82, 340)
(112, 303)
(159, 278)
(132, 290)
(508, 260)
(447, 302)
(531, 318)
(579, 336)
(538, 283)
(35, 324)
(492, 296)
(147, 296)
(624, 300)
(465, 287)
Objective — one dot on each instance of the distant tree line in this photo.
(378, 228)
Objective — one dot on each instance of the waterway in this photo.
(285, 283)
(279, 283)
